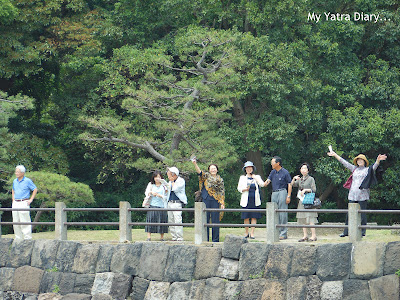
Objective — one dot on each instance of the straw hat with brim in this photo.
(362, 156)
(249, 164)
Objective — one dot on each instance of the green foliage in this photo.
(7, 11)
(169, 100)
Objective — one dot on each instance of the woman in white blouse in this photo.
(249, 185)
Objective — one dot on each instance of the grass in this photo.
(112, 236)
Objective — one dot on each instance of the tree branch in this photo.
(145, 146)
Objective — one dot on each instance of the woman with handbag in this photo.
(306, 185)
(156, 194)
(212, 189)
(357, 194)
(249, 185)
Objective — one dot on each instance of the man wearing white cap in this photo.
(22, 198)
(176, 197)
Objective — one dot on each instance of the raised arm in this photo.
(378, 160)
(344, 162)
(196, 166)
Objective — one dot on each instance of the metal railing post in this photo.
(60, 229)
(125, 230)
(354, 221)
(200, 219)
(272, 221)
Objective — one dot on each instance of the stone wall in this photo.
(49, 269)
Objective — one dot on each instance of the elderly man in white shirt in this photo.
(176, 197)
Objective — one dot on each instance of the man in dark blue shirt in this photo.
(281, 191)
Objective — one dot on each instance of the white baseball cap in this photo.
(174, 170)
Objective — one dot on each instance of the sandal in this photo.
(313, 240)
(303, 239)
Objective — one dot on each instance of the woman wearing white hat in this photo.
(359, 173)
(249, 185)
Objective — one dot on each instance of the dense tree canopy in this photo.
(117, 88)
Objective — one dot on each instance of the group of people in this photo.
(212, 192)
(171, 194)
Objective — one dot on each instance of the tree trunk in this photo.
(38, 214)
(327, 192)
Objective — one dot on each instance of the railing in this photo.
(200, 223)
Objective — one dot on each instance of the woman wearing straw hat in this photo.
(359, 170)
(249, 187)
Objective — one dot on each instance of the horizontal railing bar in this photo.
(160, 209)
(379, 211)
(235, 225)
(260, 210)
(91, 209)
(334, 211)
(91, 223)
(161, 224)
(311, 226)
(378, 227)
(27, 209)
(27, 223)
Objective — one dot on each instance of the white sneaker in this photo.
(180, 240)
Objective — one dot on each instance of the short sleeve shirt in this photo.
(279, 179)
(22, 189)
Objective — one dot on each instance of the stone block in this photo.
(334, 261)
(50, 296)
(253, 258)
(385, 287)
(180, 263)
(66, 255)
(116, 285)
(331, 290)
(196, 290)
(76, 296)
(274, 290)
(304, 261)
(106, 252)
(207, 262)
(83, 283)
(14, 295)
(214, 289)
(139, 288)
(392, 258)
(232, 246)
(5, 249)
(367, 260)
(20, 254)
(354, 289)
(157, 291)
(6, 278)
(296, 288)
(20, 282)
(228, 268)
(179, 290)
(232, 290)
(101, 297)
(279, 262)
(44, 254)
(85, 260)
(50, 282)
(126, 259)
(313, 288)
(252, 289)
(153, 260)
(67, 283)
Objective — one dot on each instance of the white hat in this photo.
(174, 170)
(249, 164)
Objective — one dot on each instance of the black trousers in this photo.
(214, 216)
(363, 205)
